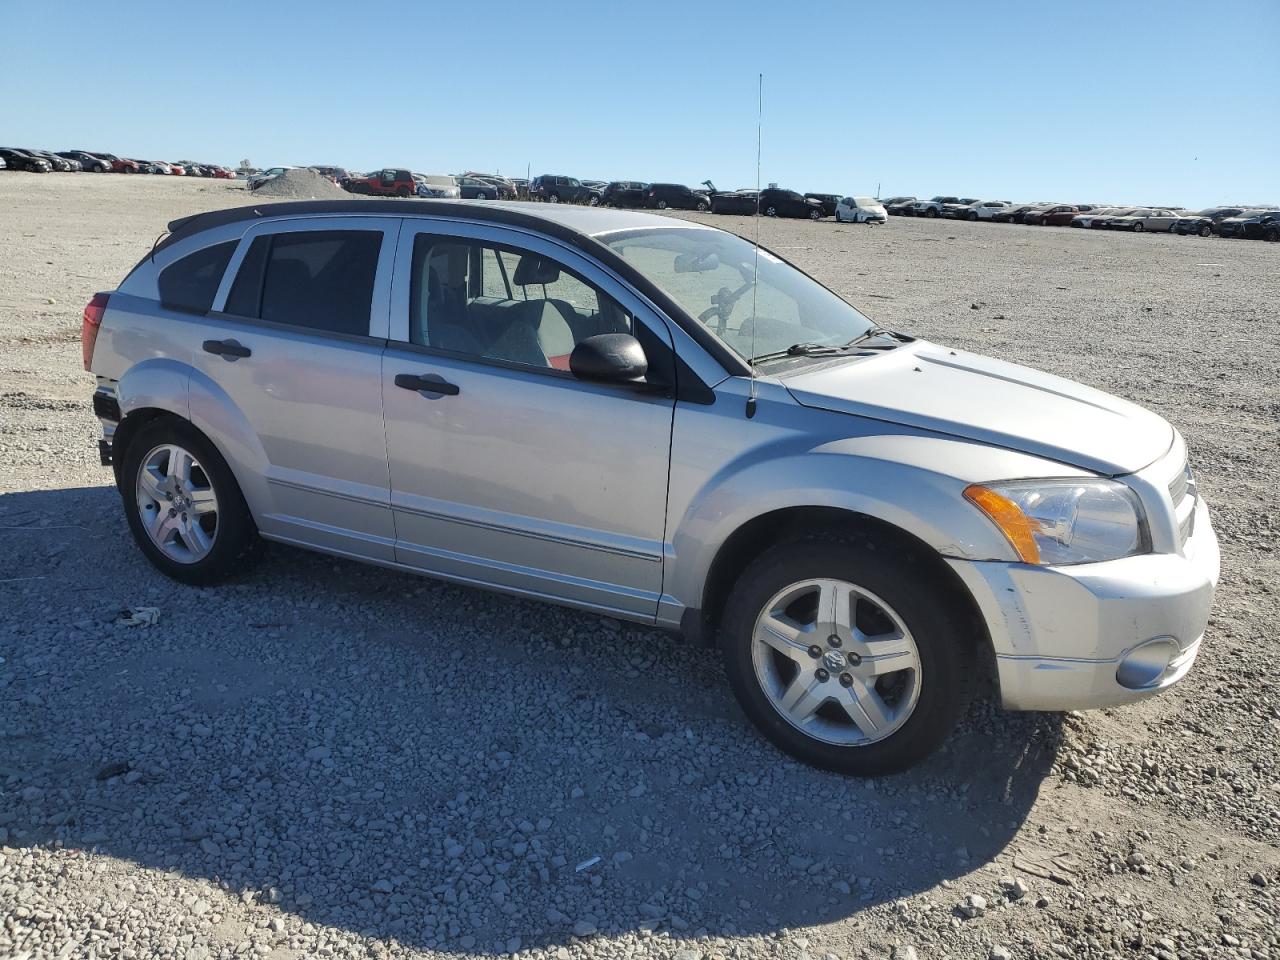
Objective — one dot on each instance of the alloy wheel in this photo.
(836, 662)
(177, 503)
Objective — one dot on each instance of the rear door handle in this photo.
(226, 348)
(430, 383)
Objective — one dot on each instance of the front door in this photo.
(295, 345)
(512, 473)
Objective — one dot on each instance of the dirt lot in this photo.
(334, 760)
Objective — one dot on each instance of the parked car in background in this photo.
(88, 161)
(473, 188)
(740, 203)
(121, 164)
(1059, 215)
(1008, 214)
(437, 186)
(899, 206)
(3, 165)
(883, 527)
(59, 164)
(1251, 225)
(1205, 223)
(829, 202)
(258, 179)
(861, 210)
(984, 209)
(676, 196)
(18, 159)
(958, 210)
(387, 182)
(1140, 221)
(504, 189)
(1097, 219)
(777, 202)
(624, 194)
(932, 207)
(555, 188)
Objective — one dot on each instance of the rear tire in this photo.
(931, 213)
(553, 198)
(896, 716)
(234, 545)
(972, 216)
(771, 211)
(662, 204)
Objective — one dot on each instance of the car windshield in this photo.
(440, 181)
(709, 274)
(866, 201)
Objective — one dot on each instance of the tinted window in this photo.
(192, 282)
(496, 302)
(321, 279)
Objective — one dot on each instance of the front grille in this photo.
(1182, 491)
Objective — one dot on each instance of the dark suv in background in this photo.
(554, 188)
(17, 159)
(676, 196)
(829, 202)
(775, 202)
(624, 193)
(1252, 225)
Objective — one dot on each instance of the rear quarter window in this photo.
(191, 283)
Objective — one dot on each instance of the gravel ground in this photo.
(333, 760)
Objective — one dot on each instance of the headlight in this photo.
(1065, 521)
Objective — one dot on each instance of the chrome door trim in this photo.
(379, 306)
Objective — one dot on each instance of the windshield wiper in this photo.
(878, 332)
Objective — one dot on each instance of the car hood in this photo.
(967, 395)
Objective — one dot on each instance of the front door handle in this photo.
(430, 383)
(226, 348)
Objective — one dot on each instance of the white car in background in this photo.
(1160, 220)
(438, 186)
(861, 210)
(983, 209)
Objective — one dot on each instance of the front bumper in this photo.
(1070, 637)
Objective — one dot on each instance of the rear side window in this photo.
(191, 283)
(317, 279)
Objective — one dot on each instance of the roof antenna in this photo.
(755, 270)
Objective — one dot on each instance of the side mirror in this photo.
(609, 358)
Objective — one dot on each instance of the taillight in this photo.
(90, 324)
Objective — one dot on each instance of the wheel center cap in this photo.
(834, 660)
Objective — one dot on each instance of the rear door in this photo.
(292, 357)
(514, 474)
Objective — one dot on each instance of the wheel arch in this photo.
(786, 524)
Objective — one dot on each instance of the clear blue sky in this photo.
(1161, 101)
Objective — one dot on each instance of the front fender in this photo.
(909, 478)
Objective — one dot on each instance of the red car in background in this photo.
(1056, 216)
(388, 182)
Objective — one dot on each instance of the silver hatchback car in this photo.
(653, 419)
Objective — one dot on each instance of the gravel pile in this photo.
(332, 760)
(301, 184)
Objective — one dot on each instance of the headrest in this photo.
(535, 269)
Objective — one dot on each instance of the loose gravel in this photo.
(331, 760)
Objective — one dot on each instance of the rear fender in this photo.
(219, 418)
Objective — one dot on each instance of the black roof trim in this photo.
(493, 212)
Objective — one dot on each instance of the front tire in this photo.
(184, 507)
(1138, 227)
(815, 214)
(972, 216)
(845, 655)
(771, 211)
(662, 204)
(702, 206)
(931, 213)
(1205, 230)
(553, 198)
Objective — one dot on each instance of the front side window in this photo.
(496, 302)
(316, 279)
(710, 274)
(190, 284)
